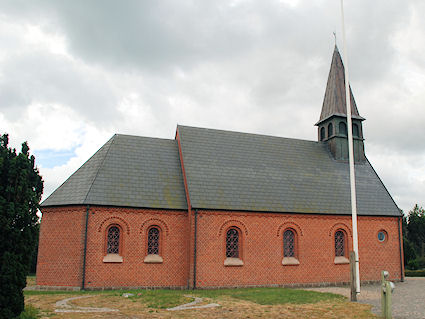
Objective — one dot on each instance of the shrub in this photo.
(413, 264)
(409, 251)
(415, 273)
(421, 262)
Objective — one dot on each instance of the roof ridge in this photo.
(382, 183)
(248, 133)
(145, 137)
(98, 169)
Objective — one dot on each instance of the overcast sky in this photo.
(73, 73)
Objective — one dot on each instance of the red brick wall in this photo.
(59, 231)
(262, 249)
(60, 246)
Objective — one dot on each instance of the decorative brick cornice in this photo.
(289, 224)
(233, 222)
(115, 220)
(154, 221)
(340, 226)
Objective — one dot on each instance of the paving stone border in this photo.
(64, 306)
(193, 304)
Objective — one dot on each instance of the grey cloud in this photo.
(257, 66)
(40, 77)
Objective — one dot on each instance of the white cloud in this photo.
(74, 73)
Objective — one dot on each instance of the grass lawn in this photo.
(234, 303)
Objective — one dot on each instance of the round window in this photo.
(382, 236)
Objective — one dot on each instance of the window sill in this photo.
(341, 260)
(153, 259)
(112, 258)
(290, 261)
(233, 262)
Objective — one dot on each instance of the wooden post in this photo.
(383, 286)
(388, 313)
(386, 291)
(353, 279)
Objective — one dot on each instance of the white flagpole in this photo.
(351, 157)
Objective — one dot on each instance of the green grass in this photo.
(163, 298)
(30, 312)
(271, 296)
(63, 292)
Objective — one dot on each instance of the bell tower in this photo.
(332, 125)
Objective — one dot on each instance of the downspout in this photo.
(194, 249)
(401, 253)
(85, 249)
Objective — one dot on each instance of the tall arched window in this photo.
(288, 243)
(113, 243)
(330, 130)
(342, 128)
(355, 130)
(154, 249)
(232, 243)
(153, 241)
(339, 244)
(322, 133)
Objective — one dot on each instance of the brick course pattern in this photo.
(62, 244)
(261, 248)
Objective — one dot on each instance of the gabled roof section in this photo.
(334, 100)
(127, 171)
(249, 172)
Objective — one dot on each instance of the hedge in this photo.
(415, 273)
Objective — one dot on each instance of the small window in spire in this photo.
(342, 129)
(356, 130)
(330, 130)
(322, 133)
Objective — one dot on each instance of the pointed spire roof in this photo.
(334, 101)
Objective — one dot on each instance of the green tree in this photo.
(20, 192)
(416, 229)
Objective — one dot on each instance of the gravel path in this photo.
(408, 298)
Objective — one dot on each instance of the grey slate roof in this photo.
(127, 171)
(334, 100)
(238, 171)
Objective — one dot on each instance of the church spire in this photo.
(334, 101)
(332, 125)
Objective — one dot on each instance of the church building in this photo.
(213, 208)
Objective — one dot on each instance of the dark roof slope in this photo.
(127, 171)
(238, 171)
(334, 100)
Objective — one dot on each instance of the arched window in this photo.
(288, 243)
(355, 130)
(342, 128)
(330, 130)
(232, 243)
(322, 133)
(153, 241)
(113, 242)
(154, 244)
(339, 244)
